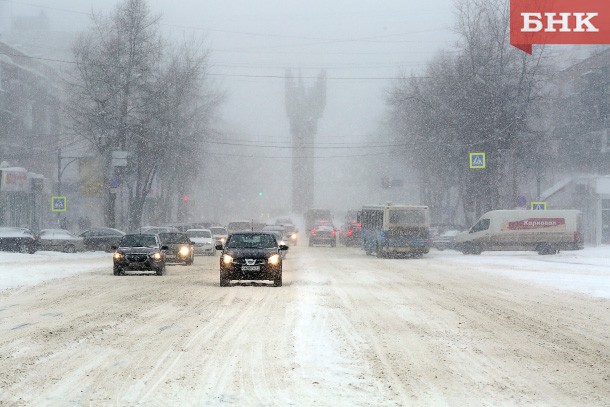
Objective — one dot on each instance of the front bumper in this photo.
(235, 272)
(138, 262)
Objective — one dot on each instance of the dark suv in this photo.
(251, 256)
(139, 252)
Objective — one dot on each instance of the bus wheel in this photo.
(380, 252)
(472, 248)
(545, 248)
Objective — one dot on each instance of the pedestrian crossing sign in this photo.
(538, 206)
(58, 204)
(477, 160)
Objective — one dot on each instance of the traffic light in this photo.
(260, 193)
(185, 198)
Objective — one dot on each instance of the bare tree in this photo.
(477, 100)
(132, 93)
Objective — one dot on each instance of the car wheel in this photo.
(225, 281)
(277, 281)
(380, 252)
(161, 270)
(23, 248)
(310, 243)
(70, 249)
(117, 271)
(545, 248)
(472, 248)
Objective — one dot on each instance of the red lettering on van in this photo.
(536, 223)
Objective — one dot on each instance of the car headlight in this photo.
(226, 259)
(156, 256)
(117, 256)
(184, 251)
(274, 260)
(294, 236)
(223, 240)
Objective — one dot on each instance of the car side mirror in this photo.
(219, 247)
(283, 247)
(164, 247)
(114, 247)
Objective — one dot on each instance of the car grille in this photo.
(139, 258)
(243, 262)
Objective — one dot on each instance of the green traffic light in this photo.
(260, 194)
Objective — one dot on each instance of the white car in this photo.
(220, 234)
(203, 242)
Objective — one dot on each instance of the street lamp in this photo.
(60, 169)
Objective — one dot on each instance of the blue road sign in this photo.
(521, 201)
(59, 204)
(115, 183)
(477, 160)
(538, 206)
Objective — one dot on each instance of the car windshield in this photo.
(218, 231)
(173, 238)
(138, 241)
(251, 241)
(199, 233)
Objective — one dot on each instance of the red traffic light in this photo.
(185, 198)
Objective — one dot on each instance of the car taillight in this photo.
(359, 226)
(332, 232)
(577, 237)
(349, 232)
(313, 231)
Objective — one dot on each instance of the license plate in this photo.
(250, 268)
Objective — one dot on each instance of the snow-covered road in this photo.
(344, 330)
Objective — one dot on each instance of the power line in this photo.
(283, 77)
(306, 146)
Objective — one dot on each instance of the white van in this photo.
(546, 232)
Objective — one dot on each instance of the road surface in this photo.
(344, 330)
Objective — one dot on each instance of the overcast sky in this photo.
(361, 44)
(362, 39)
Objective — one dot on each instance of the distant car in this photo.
(101, 238)
(291, 234)
(351, 233)
(219, 233)
(203, 241)
(251, 256)
(445, 240)
(323, 234)
(140, 252)
(281, 230)
(60, 240)
(240, 226)
(179, 248)
(16, 239)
